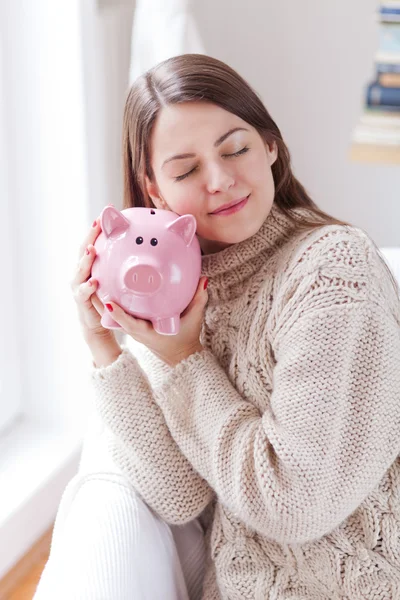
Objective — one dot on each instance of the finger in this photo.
(91, 237)
(85, 292)
(128, 323)
(199, 299)
(84, 267)
(84, 299)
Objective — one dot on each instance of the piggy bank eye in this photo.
(153, 241)
(139, 240)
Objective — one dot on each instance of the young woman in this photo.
(274, 415)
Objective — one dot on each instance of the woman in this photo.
(274, 415)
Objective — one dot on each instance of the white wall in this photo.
(310, 62)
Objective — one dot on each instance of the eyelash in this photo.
(242, 151)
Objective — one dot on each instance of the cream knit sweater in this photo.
(286, 427)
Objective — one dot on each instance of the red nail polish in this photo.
(109, 307)
(87, 251)
(205, 284)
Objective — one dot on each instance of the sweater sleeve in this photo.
(142, 445)
(331, 428)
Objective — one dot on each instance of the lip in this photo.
(231, 207)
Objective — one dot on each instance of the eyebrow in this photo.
(216, 144)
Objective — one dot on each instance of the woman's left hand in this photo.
(169, 348)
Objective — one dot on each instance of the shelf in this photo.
(370, 153)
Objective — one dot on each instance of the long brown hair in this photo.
(197, 77)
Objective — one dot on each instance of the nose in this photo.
(219, 179)
(142, 279)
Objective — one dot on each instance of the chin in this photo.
(235, 237)
(244, 229)
(247, 230)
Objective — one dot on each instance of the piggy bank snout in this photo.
(142, 279)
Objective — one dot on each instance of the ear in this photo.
(113, 221)
(152, 190)
(272, 153)
(184, 226)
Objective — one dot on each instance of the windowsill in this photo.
(35, 466)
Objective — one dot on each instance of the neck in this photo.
(211, 246)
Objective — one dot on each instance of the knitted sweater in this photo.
(286, 426)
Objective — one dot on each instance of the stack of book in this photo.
(380, 122)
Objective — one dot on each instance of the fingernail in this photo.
(87, 251)
(90, 282)
(206, 284)
(94, 223)
(109, 307)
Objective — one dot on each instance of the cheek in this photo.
(258, 171)
(182, 199)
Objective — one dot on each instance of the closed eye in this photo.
(242, 151)
(180, 177)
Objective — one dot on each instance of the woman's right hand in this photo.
(90, 307)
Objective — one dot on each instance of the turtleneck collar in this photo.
(242, 259)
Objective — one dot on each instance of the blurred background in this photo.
(65, 69)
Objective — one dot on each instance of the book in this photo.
(380, 119)
(366, 134)
(389, 79)
(377, 95)
(388, 58)
(387, 111)
(389, 38)
(389, 13)
(390, 108)
(382, 68)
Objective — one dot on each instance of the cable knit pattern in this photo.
(289, 420)
(142, 445)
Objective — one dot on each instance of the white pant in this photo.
(108, 544)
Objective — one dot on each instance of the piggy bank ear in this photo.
(113, 221)
(184, 226)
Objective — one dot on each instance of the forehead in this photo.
(182, 127)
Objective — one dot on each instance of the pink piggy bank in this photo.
(149, 262)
